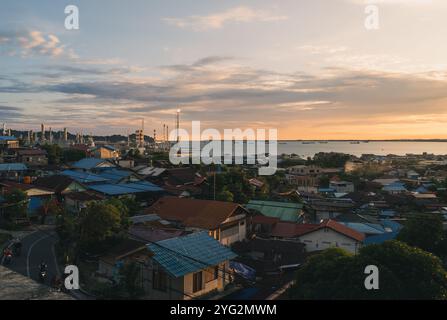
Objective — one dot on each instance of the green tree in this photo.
(424, 231)
(100, 221)
(225, 195)
(72, 155)
(54, 153)
(50, 207)
(404, 273)
(16, 205)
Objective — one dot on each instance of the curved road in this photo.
(37, 247)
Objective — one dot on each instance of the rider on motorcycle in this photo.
(43, 266)
(7, 254)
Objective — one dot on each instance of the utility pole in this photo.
(178, 124)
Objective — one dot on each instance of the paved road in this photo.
(37, 247)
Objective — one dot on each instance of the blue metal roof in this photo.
(396, 186)
(393, 225)
(114, 175)
(183, 255)
(387, 213)
(13, 167)
(88, 163)
(380, 238)
(368, 228)
(84, 177)
(7, 138)
(329, 190)
(125, 188)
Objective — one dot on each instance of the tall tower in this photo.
(4, 129)
(65, 135)
(42, 135)
(51, 136)
(140, 135)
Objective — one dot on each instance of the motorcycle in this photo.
(42, 276)
(8, 259)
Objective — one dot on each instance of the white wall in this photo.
(327, 238)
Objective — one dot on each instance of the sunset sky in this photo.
(306, 67)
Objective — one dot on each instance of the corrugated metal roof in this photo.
(381, 238)
(285, 211)
(13, 167)
(366, 228)
(114, 175)
(89, 163)
(7, 138)
(183, 255)
(84, 177)
(126, 188)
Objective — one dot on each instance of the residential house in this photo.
(395, 188)
(224, 221)
(342, 186)
(322, 209)
(331, 234)
(13, 171)
(76, 201)
(32, 157)
(182, 181)
(93, 164)
(142, 190)
(105, 152)
(188, 267)
(60, 185)
(270, 256)
(8, 143)
(36, 195)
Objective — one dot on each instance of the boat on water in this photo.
(323, 142)
(308, 142)
(355, 142)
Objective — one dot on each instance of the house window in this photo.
(197, 282)
(160, 280)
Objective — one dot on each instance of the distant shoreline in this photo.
(369, 140)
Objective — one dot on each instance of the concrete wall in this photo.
(327, 238)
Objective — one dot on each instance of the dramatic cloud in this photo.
(33, 43)
(222, 93)
(8, 113)
(218, 20)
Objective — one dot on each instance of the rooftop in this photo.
(125, 188)
(206, 214)
(13, 167)
(285, 211)
(90, 163)
(194, 252)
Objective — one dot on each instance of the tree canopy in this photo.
(404, 273)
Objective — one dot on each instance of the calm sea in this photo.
(309, 149)
(373, 147)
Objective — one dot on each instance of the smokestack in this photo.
(42, 129)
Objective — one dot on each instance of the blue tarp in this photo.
(243, 270)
